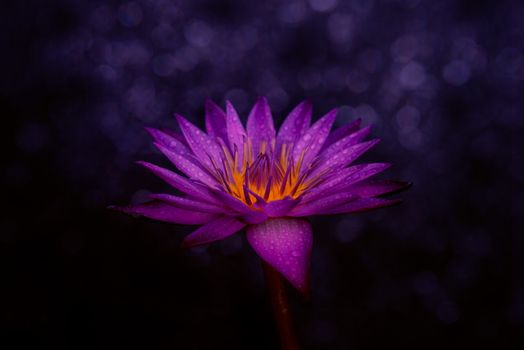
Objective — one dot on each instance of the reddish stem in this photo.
(280, 306)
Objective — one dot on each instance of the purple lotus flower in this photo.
(265, 182)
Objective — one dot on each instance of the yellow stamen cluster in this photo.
(272, 174)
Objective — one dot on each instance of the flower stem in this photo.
(280, 306)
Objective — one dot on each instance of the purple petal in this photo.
(351, 154)
(187, 164)
(260, 124)
(295, 124)
(216, 121)
(168, 213)
(203, 146)
(311, 142)
(187, 203)
(342, 159)
(180, 156)
(346, 177)
(374, 188)
(342, 132)
(345, 143)
(179, 182)
(322, 204)
(252, 216)
(285, 244)
(360, 205)
(175, 135)
(215, 230)
(230, 201)
(235, 130)
(239, 208)
(280, 207)
(169, 140)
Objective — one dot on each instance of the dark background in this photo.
(438, 79)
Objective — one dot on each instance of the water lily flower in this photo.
(266, 182)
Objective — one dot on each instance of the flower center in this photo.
(271, 174)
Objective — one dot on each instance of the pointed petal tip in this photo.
(123, 209)
(262, 99)
(211, 106)
(387, 203)
(327, 119)
(374, 141)
(305, 101)
(230, 109)
(163, 149)
(367, 127)
(386, 166)
(188, 243)
(261, 102)
(331, 116)
(285, 244)
(179, 118)
(126, 209)
(306, 104)
(119, 209)
(395, 202)
(215, 230)
(151, 131)
(403, 186)
(210, 103)
(147, 165)
(183, 122)
(156, 196)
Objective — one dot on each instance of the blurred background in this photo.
(439, 80)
